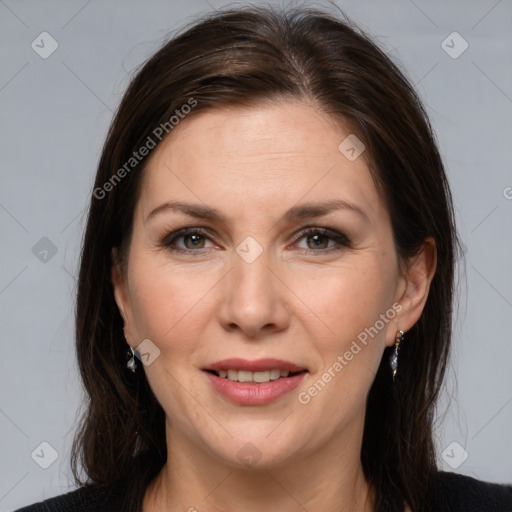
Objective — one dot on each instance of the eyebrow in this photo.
(298, 212)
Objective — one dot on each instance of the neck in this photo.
(194, 480)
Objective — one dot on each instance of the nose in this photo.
(254, 300)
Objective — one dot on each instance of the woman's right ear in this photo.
(122, 297)
(118, 282)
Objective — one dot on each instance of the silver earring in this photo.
(131, 364)
(393, 359)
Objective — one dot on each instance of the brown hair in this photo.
(239, 57)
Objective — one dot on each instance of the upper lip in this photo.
(258, 365)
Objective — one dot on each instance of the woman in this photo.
(285, 350)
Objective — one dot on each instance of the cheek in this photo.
(171, 307)
(170, 304)
(351, 304)
(354, 302)
(347, 298)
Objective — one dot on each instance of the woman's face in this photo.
(245, 282)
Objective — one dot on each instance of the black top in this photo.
(452, 493)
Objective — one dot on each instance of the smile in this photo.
(254, 377)
(257, 382)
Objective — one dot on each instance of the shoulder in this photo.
(89, 498)
(453, 493)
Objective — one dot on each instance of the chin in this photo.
(258, 451)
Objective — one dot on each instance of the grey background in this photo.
(54, 116)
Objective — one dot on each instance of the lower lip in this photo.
(244, 393)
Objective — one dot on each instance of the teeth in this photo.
(275, 374)
(244, 376)
(258, 377)
(261, 376)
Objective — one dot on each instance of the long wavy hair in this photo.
(241, 57)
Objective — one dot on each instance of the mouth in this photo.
(260, 377)
(254, 382)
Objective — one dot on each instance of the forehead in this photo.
(257, 159)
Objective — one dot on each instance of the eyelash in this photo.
(340, 239)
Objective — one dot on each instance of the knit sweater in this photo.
(452, 493)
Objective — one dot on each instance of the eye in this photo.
(186, 240)
(318, 240)
(323, 240)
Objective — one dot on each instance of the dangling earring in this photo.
(131, 364)
(393, 359)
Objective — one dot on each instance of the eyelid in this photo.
(340, 239)
(170, 237)
(332, 233)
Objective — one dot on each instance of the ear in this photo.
(412, 292)
(119, 284)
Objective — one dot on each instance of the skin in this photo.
(297, 301)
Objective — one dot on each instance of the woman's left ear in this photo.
(416, 279)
